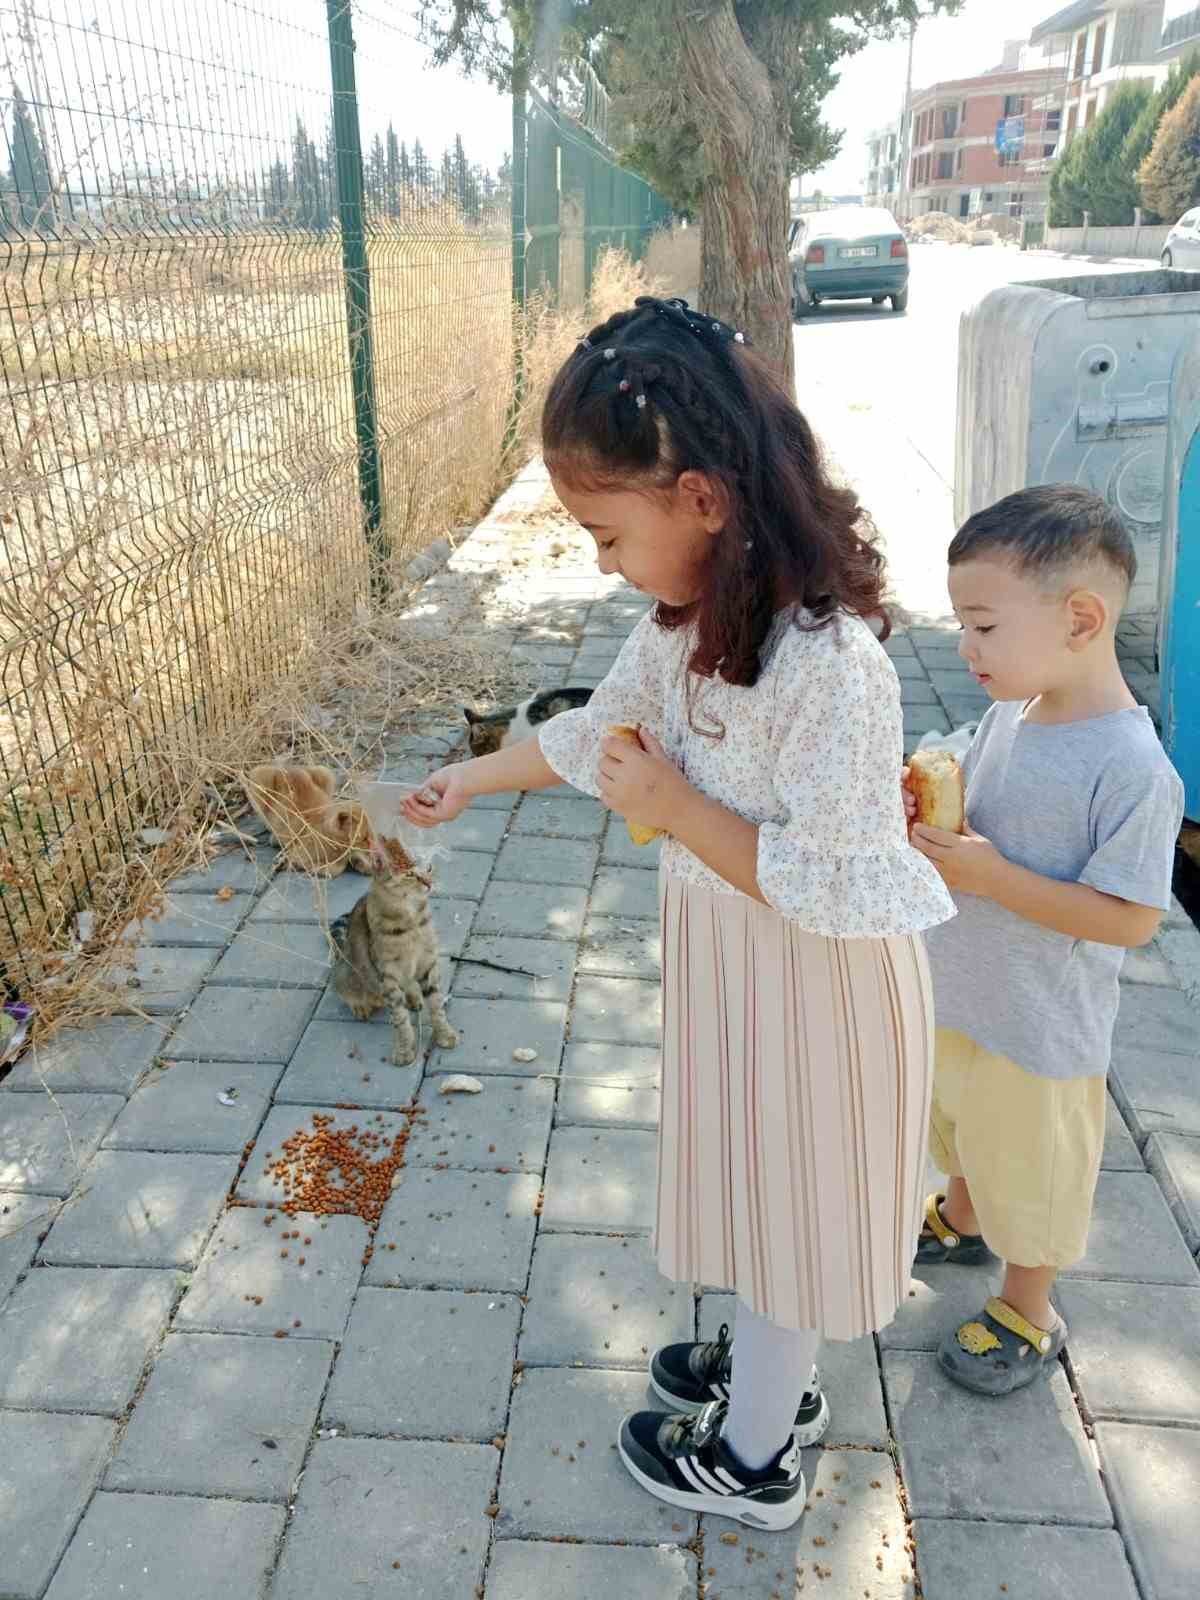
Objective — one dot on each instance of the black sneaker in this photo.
(689, 1376)
(684, 1461)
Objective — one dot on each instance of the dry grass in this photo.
(184, 588)
(673, 256)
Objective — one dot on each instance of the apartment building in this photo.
(1094, 46)
(961, 163)
(1181, 30)
(881, 184)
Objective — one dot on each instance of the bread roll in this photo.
(628, 732)
(936, 779)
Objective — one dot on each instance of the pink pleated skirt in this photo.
(797, 1075)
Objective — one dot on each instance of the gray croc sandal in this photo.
(999, 1351)
(938, 1243)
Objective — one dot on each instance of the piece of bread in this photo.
(936, 779)
(629, 732)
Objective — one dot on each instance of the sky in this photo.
(871, 92)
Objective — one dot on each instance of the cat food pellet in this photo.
(301, 1260)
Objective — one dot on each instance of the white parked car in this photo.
(1182, 248)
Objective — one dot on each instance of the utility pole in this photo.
(906, 124)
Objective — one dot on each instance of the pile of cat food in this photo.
(339, 1171)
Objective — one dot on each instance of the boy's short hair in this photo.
(1049, 530)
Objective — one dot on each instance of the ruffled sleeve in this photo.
(841, 865)
(631, 692)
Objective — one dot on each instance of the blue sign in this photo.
(1010, 135)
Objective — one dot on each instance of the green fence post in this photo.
(357, 274)
(520, 86)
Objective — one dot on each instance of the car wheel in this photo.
(799, 308)
(900, 301)
(878, 299)
(1168, 260)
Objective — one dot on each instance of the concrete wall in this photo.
(1144, 242)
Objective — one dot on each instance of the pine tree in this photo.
(1141, 136)
(1093, 175)
(466, 188)
(397, 161)
(375, 178)
(306, 179)
(30, 171)
(422, 171)
(277, 185)
(1170, 175)
(446, 181)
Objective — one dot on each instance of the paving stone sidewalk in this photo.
(439, 1424)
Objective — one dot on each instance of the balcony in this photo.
(1181, 29)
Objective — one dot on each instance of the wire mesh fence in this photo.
(257, 334)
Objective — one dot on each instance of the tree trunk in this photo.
(747, 143)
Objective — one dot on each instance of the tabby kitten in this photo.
(496, 730)
(387, 951)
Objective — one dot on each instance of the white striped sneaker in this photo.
(684, 1461)
(687, 1377)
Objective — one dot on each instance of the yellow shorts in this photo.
(1028, 1147)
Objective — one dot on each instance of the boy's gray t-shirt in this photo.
(1093, 802)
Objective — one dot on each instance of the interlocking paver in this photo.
(546, 860)
(137, 1208)
(521, 1569)
(619, 849)
(600, 1181)
(180, 1107)
(981, 1560)
(22, 1218)
(105, 1058)
(145, 1546)
(1148, 965)
(561, 1476)
(613, 947)
(474, 830)
(49, 1466)
(1152, 1019)
(1152, 1475)
(532, 910)
(939, 1299)
(223, 1415)
(295, 956)
(452, 919)
(1130, 1206)
(195, 919)
(233, 869)
(490, 1030)
(1026, 1460)
(617, 1010)
(227, 1024)
(854, 1533)
(544, 969)
(609, 1084)
(1156, 1089)
(581, 818)
(421, 1531)
(347, 1063)
(76, 1339)
(162, 980)
(293, 897)
(601, 1302)
(1175, 1161)
(305, 1298)
(461, 876)
(425, 1364)
(1120, 1148)
(457, 1230)
(849, 1376)
(1133, 1351)
(625, 892)
(507, 1127)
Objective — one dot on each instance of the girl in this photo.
(796, 1063)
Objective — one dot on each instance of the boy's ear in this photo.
(1089, 617)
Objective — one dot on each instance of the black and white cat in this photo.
(495, 730)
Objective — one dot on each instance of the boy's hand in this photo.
(967, 861)
(909, 798)
(440, 799)
(643, 786)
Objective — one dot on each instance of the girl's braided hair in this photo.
(662, 389)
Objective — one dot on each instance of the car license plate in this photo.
(860, 250)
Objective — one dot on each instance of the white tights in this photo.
(772, 1369)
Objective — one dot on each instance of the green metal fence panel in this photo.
(257, 335)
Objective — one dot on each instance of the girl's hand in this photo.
(643, 786)
(967, 861)
(442, 798)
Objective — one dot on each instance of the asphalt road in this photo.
(880, 390)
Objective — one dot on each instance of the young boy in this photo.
(1072, 814)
